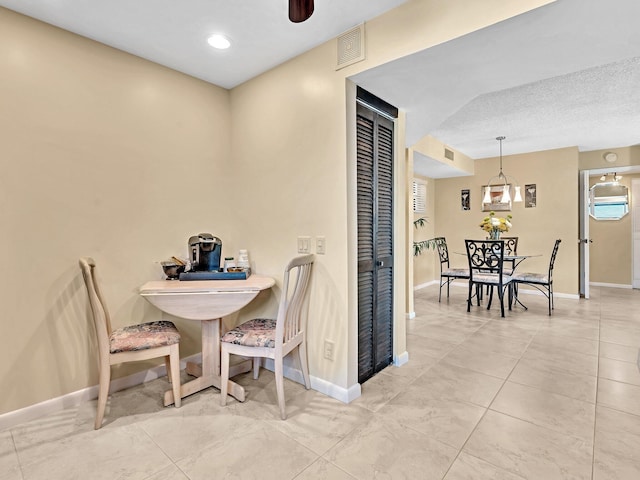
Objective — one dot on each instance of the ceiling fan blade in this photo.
(300, 10)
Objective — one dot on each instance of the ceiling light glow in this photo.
(219, 41)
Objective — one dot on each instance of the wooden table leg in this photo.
(209, 373)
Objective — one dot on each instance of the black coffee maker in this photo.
(204, 252)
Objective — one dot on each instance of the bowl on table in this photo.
(172, 269)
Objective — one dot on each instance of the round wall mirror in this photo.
(608, 201)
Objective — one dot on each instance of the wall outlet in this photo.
(320, 245)
(329, 348)
(304, 244)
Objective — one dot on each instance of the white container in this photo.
(243, 259)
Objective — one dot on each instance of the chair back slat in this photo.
(510, 245)
(443, 251)
(100, 313)
(552, 260)
(290, 311)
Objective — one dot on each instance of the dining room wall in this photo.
(555, 174)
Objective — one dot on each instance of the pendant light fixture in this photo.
(615, 178)
(502, 178)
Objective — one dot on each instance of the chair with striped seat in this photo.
(486, 267)
(541, 281)
(447, 274)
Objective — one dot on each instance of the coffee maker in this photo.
(204, 252)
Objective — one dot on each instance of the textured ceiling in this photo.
(566, 74)
(594, 109)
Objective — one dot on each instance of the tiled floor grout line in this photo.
(531, 340)
(542, 351)
(488, 407)
(595, 413)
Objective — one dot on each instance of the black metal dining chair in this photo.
(541, 281)
(447, 274)
(510, 248)
(486, 267)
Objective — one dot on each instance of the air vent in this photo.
(448, 154)
(351, 47)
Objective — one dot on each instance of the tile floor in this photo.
(525, 397)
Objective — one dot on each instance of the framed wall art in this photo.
(495, 194)
(530, 192)
(465, 199)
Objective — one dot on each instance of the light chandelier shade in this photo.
(614, 177)
(502, 178)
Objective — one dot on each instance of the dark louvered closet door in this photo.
(375, 245)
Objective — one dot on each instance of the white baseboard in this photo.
(401, 359)
(69, 400)
(610, 285)
(533, 291)
(425, 285)
(26, 414)
(345, 395)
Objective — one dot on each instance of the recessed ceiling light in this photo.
(219, 41)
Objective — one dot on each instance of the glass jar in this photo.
(243, 259)
(229, 262)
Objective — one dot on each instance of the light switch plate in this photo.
(304, 244)
(321, 245)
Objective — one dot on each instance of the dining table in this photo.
(206, 301)
(515, 260)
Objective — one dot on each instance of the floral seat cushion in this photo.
(143, 336)
(491, 278)
(456, 272)
(526, 277)
(260, 332)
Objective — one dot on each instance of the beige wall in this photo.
(103, 154)
(610, 253)
(627, 156)
(426, 266)
(108, 155)
(555, 216)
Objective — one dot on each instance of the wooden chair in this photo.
(447, 274)
(273, 338)
(127, 344)
(486, 264)
(541, 281)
